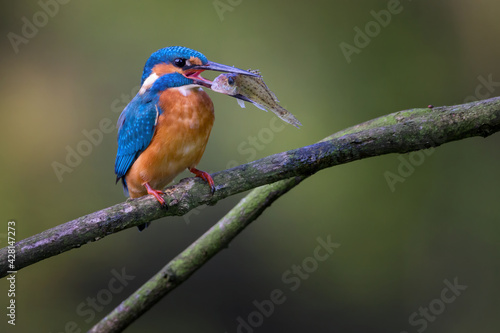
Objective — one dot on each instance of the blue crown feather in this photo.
(167, 55)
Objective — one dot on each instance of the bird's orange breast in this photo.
(179, 141)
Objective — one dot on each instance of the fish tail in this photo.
(286, 116)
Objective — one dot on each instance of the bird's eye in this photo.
(179, 62)
(230, 80)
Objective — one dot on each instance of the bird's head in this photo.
(182, 60)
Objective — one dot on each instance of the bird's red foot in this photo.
(205, 176)
(157, 194)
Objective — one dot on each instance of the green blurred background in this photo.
(397, 247)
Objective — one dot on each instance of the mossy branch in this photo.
(399, 132)
(196, 255)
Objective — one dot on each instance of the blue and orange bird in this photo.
(165, 128)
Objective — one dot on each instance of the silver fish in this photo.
(252, 89)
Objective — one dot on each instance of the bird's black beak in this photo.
(213, 66)
(194, 72)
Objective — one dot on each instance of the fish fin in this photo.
(259, 106)
(273, 95)
(297, 123)
(255, 71)
(242, 98)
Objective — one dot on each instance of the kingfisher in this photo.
(165, 128)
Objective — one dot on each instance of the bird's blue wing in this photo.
(136, 127)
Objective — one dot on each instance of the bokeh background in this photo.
(396, 246)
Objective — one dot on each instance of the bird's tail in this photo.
(125, 191)
(125, 187)
(143, 226)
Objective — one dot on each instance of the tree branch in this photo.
(398, 132)
(196, 255)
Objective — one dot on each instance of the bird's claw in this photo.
(206, 177)
(157, 194)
